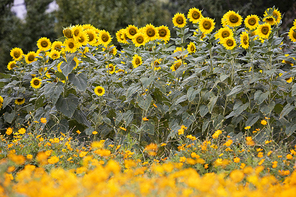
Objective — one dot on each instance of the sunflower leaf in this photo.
(68, 67)
(79, 80)
(67, 105)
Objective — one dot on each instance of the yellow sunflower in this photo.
(150, 32)
(164, 33)
(176, 65)
(270, 20)
(294, 22)
(99, 90)
(112, 49)
(77, 30)
(191, 48)
(244, 40)
(206, 25)
(83, 38)
(54, 54)
(156, 64)
(19, 101)
(121, 36)
(71, 45)
(139, 39)
(131, 31)
(275, 13)
(68, 32)
(137, 61)
(1, 101)
(11, 65)
(263, 31)
(177, 50)
(57, 45)
(43, 44)
(292, 34)
(179, 20)
(92, 36)
(251, 22)
(31, 57)
(232, 19)
(229, 43)
(88, 26)
(36, 83)
(223, 33)
(110, 68)
(194, 15)
(16, 53)
(104, 38)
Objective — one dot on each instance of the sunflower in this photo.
(68, 32)
(263, 30)
(251, 22)
(179, 20)
(244, 40)
(11, 65)
(112, 49)
(43, 44)
(224, 33)
(131, 31)
(16, 54)
(294, 22)
(191, 48)
(104, 38)
(206, 25)
(156, 64)
(121, 36)
(176, 65)
(92, 36)
(71, 45)
(57, 45)
(54, 54)
(139, 39)
(19, 101)
(150, 32)
(232, 19)
(1, 101)
(82, 38)
(77, 30)
(36, 83)
(137, 61)
(88, 26)
(270, 20)
(31, 57)
(292, 34)
(99, 90)
(229, 43)
(110, 68)
(179, 49)
(164, 33)
(194, 15)
(275, 13)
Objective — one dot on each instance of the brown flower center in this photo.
(233, 18)
(195, 15)
(36, 82)
(44, 44)
(207, 25)
(105, 38)
(180, 20)
(162, 33)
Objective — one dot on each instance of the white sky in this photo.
(20, 9)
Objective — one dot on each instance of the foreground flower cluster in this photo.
(38, 165)
(208, 113)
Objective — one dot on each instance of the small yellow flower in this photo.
(43, 120)
(9, 131)
(145, 119)
(247, 127)
(263, 122)
(123, 128)
(94, 132)
(78, 132)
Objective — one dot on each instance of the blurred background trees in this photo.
(113, 15)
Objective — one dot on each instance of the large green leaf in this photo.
(6, 101)
(290, 129)
(81, 118)
(148, 127)
(203, 110)
(286, 110)
(128, 117)
(8, 117)
(191, 94)
(52, 91)
(146, 81)
(67, 105)
(144, 102)
(252, 119)
(235, 90)
(79, 80)
(68, 66)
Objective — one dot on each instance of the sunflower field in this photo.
(211, 112)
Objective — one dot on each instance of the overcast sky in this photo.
(20, 9)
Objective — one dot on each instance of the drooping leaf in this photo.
(288, 107)
(81, 118)
(146, 81)
(144, 102)
(52, 91)
(68, 66)
(128, 117)
(8, 117)
(203, 110)
(79, 80)
(290, 129)
(252, 119)
(67, 105)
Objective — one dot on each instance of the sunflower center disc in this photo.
(233, 19)
(71, 45)
(180, 20)
(105, 38)
(195, 15)
(36, 82)
(252, 21)
(162, 33)
(207, 25)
